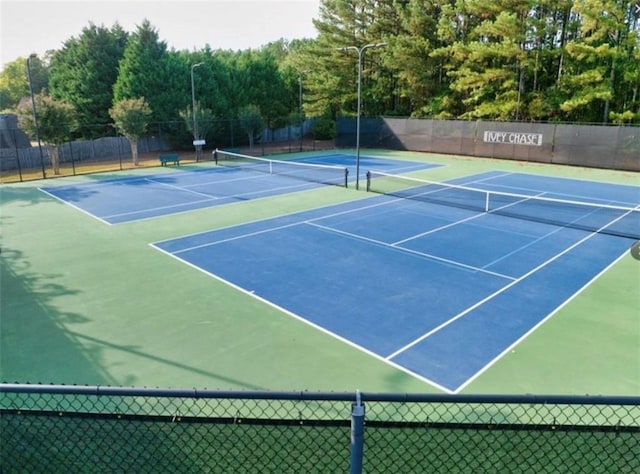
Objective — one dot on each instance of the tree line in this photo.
(533, 60)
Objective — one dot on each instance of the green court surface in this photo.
(87, 303)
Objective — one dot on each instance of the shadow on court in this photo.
(38, 345)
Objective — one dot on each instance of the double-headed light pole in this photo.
(360, 52)
(196, 139)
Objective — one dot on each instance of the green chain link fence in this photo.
(52, 428)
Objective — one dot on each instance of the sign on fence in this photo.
(513, 138)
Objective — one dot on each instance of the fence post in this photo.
(15, 145)
(357, 436)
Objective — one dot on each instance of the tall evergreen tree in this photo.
(211, 80)
(597, 57)
(83, 73)
(419, 73)
(487, 66)
(148, 70)
(262, 85)
(331, 86)
(575, 60)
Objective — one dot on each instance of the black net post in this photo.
(368, 181)
(215, 156)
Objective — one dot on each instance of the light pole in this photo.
(35, 114)
(300, 111)
(360, 52)
(196, 138)
(300, 108)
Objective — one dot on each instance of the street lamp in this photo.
(35, 114)
(196, 138)
(360, 52)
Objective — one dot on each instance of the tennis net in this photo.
(324, 174)
(623, 221)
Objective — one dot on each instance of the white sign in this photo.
(198, 142)
(513, 138)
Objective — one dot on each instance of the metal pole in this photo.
(360, 52)
(194, 109)
(357, 436)
(300, 109)
(35, 114)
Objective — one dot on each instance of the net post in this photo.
(215, 156)
(357, 436)
(368, 181)
(486, 202)
(346, 177)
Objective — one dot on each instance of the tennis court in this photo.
(429, 282)
(411, 287)
(239, 178)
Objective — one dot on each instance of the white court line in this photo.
(258, 175)
(160, 208)
(462, 221)
(437, 229)
(264, 231)
(410, 251)
(500, 291)
(307, 221)
(540, 323)
(68, 203)
(307, 322)
(237, 237)
(181, 188)
(126, 180)
(587, 199)
(557, 229)
(326, 216)
(210, 198)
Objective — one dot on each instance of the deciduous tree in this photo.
(251, 122)
(56, 123)
(14, 83)
(131, 118)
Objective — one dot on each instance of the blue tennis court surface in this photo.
(438, 291)
(136, 198)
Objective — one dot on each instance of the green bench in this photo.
(169, 158)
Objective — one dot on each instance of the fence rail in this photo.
(57, 428)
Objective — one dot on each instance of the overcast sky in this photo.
(29, 26)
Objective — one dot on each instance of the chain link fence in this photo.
(597, 146)
(20, 161)
(106, 429)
